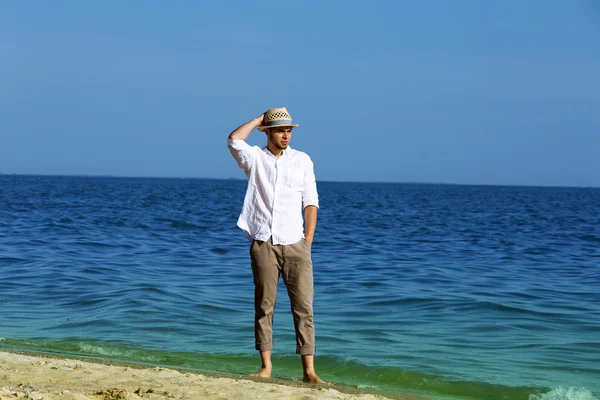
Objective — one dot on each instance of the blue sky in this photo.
(463, 91)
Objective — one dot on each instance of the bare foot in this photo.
(264, 373)
(313, 378)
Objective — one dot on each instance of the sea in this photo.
(450, 292)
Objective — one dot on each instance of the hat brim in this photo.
(262, 128)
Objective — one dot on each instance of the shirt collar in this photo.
(285, 152)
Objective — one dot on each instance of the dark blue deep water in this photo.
(451, 292)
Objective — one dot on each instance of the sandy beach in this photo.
(26, 376)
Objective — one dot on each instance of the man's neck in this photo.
(274, 150)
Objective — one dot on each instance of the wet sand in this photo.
(41, 377)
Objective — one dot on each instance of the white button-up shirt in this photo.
(278, 189)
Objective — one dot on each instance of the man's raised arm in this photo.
(243, 131)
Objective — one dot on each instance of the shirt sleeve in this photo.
(242, 152)
(310, 197)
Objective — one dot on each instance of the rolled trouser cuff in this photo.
(263, 346)
(306, 350)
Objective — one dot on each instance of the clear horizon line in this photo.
(331, 181)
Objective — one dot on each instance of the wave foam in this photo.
(560, 393)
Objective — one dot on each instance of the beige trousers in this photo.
(293, 262)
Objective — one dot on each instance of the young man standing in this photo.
(281, 183)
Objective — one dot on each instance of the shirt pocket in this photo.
(295, 177)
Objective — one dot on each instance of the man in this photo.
(280, 182)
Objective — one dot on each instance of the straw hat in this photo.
(275, 117)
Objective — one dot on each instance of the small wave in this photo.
(79, 324)
(11, 259)
(366, 386)
(116, 352)
(93, 244)
(590, 238)
(560, 393)
(405, 300)
(535, 251)
(186, 225)
(219, 250)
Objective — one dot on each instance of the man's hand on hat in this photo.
(259, 119)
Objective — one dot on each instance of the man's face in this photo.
(280, 137)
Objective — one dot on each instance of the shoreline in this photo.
(50, 376)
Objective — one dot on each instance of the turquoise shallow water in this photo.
(453, 292)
